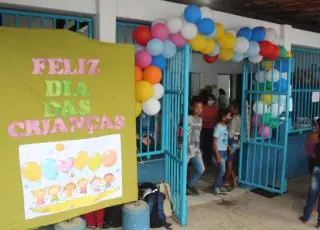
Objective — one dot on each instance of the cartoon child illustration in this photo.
(82, 184)
(39, 194)
(69, 188)
(108, 178)
(53, 191)
(96, 184)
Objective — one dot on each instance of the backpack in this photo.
(155, 200)
(113, 217)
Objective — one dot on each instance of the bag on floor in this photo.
(113, 217)
(165, 189)
(155, 200)
(94, 219)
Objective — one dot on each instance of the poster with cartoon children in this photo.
(59, 176)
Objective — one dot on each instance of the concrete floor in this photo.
(244, 210)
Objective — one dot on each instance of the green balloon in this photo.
(266, 118)
(264, 86)
(283, 51)
(274, 123)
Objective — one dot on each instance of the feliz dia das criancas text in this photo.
(67, 116)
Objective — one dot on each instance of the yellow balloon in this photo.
(266, 98)
(138, 108)
(198, 43)
(81, 160)
(226, 54)
(144, 91)
(219, 30)
(32, 171)
(266, 65)
(95, 162)
(289, 54)
(227, 41)
(209, 47)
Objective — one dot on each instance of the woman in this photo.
(223, 104)
(209, 121)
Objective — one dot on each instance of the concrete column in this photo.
(105, 20)
(286, 36)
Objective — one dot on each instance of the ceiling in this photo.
(302, 14)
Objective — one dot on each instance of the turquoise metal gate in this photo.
(174, 124)
(265, 125)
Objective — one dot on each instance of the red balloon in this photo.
(210, 59)
(142, 35)
(266, 48)
(275, 54)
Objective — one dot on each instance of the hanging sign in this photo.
(67, 126)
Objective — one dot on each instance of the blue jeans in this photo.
(199, 166)
(221, 169)
(313, 194)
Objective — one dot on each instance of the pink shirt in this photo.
(209, 116)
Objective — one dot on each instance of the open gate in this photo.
(265, 124)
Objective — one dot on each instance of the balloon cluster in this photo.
(259, 43)
(50, 168)
(269, 107)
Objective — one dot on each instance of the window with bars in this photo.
(305, 89)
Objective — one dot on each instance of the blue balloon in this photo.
(155, 47)
(245, 32)
(253, 50)
(206, 26)
(281, 85)
(169, 49)
(159, 61)
(192, 14)
(258, 34)
(282, 66)
(50, 169)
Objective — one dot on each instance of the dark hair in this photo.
(208, 96)
(195, 100)
(236, 105)
(222, 114)
(318, 122)
(222, 92)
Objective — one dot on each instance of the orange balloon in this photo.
(152, 74)
(109, 158)
(138, 74)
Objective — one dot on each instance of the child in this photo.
(314, 190)
(220, 146)
(194, 152)
(234, 143)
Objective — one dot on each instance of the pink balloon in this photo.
(160, 31)
(143, 59)
(178, 40)
(264, 131)
(65, 166)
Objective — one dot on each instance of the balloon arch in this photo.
(158, 43)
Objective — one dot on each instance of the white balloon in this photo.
(242, 45)
(271, 35)
(260, 77)
(158, 91)
(206, 12)
(260, 108)
(276, 110)
(273, 75)
(151, 107)
(159, 20)
(232, 32)
(174, 25)
(237, 57)
(255, 59)
(189, 31)
(216, 50)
